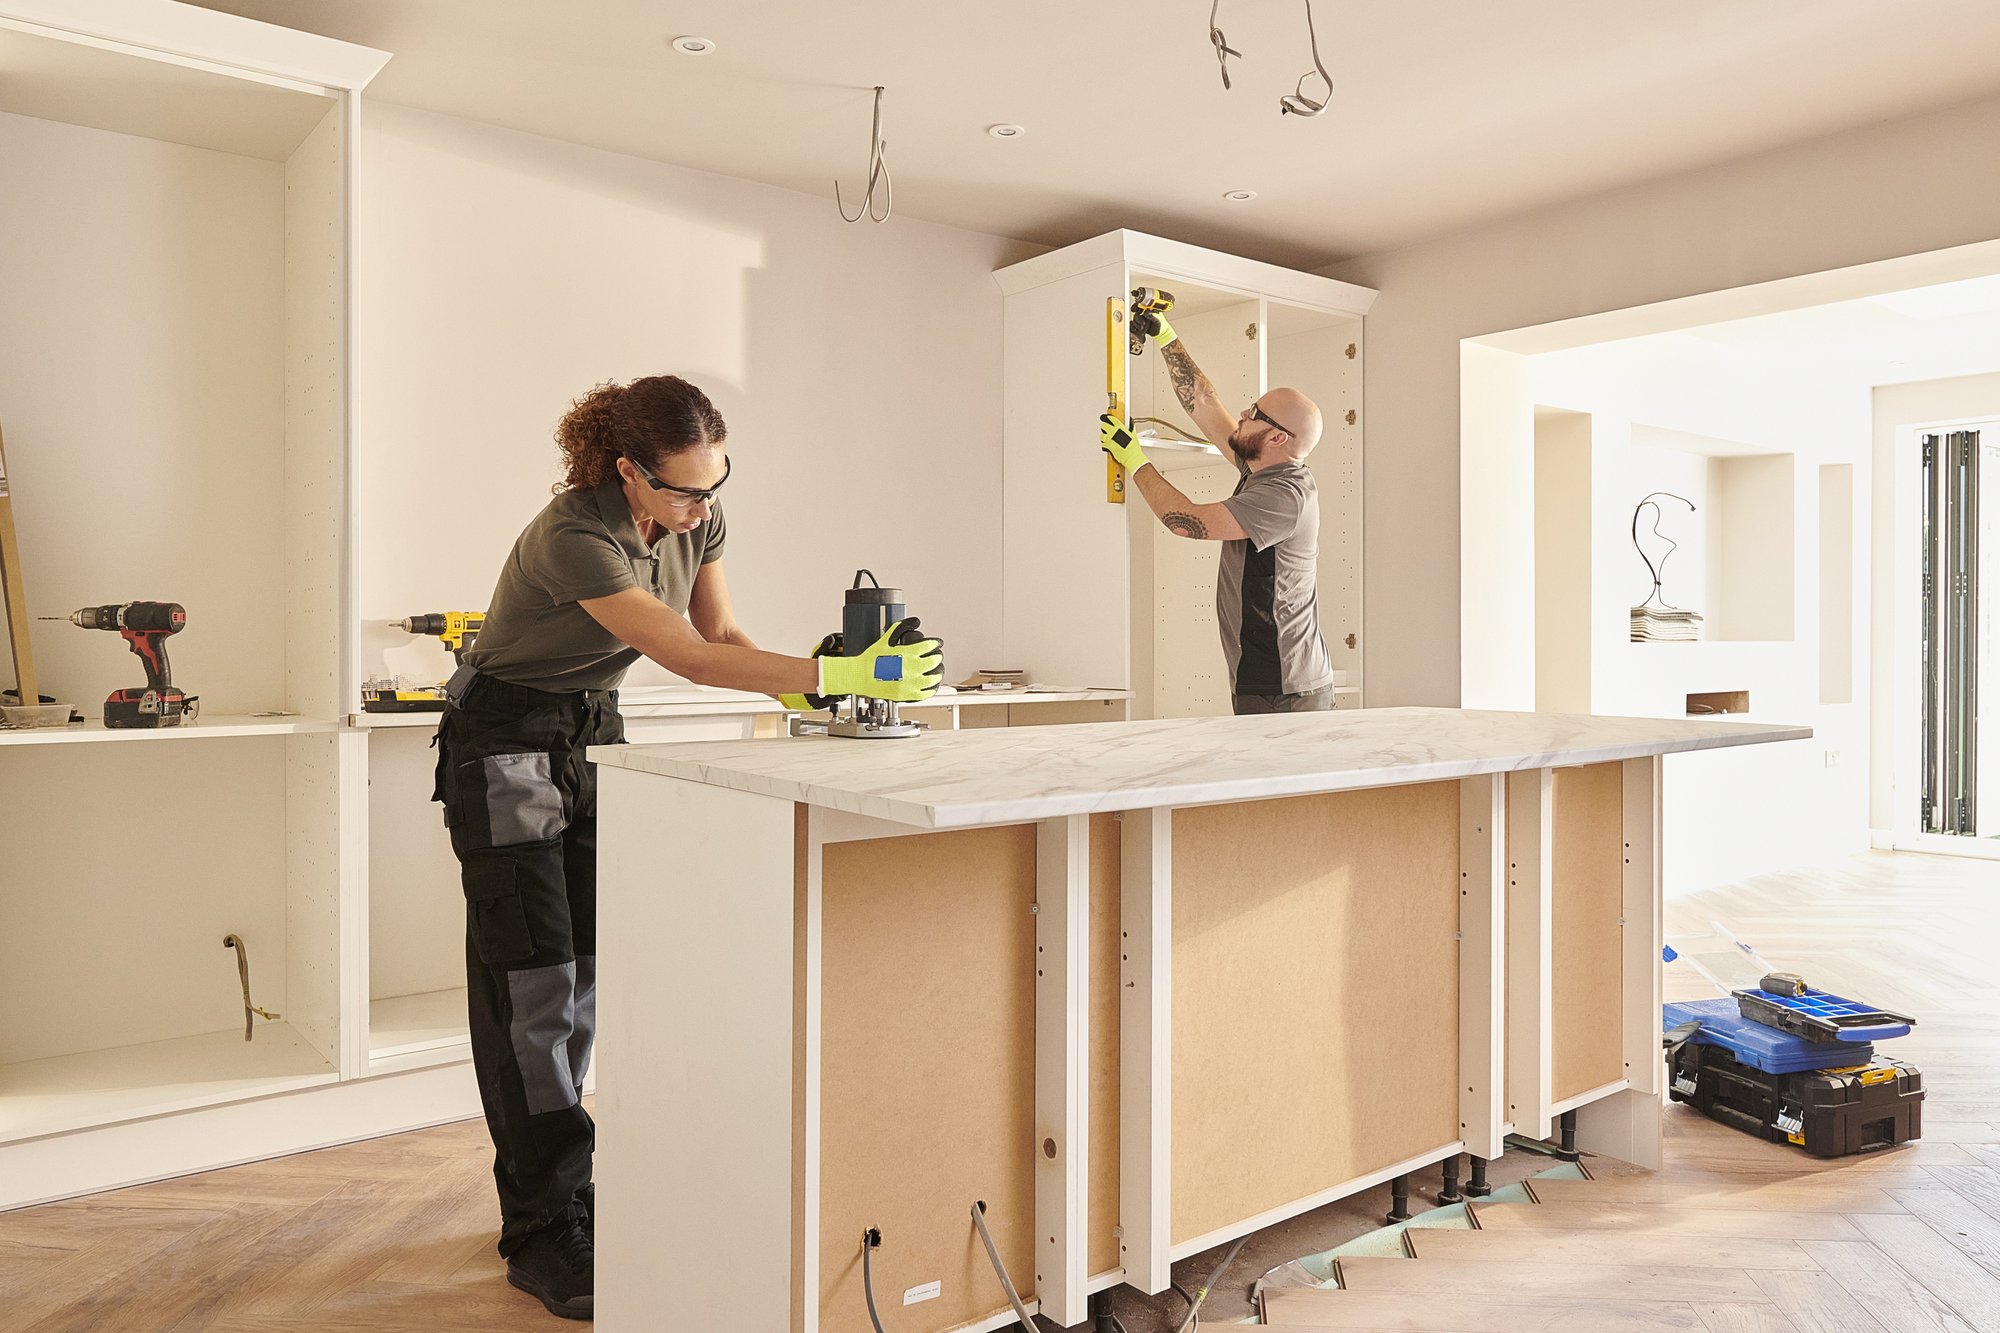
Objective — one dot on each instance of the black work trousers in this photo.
(520, 801)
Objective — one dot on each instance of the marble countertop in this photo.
(964, 779)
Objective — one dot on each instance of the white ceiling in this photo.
(1930, 333)
(1445, 111)
(55, 79)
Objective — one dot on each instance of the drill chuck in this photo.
(138, 617)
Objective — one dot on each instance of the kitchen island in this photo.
(1136, 988)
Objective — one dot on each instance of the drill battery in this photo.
(143, 708)
(1828, 1112)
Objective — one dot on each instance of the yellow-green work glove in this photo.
(906, 673)
(1120, 443)
(811, 703)
(1163, 332)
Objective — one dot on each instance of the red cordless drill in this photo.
(145, 626)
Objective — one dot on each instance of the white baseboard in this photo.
(1937, 844)
(138, 1152)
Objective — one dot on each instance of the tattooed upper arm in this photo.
(1184, 524)
(1197, 395)
(1190, 385)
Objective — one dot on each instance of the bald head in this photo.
(1300, 414)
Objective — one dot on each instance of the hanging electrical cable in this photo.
(878, 174)
(1000, 1269)
(1163, 424)
(1223, 50)
(1296, 102)
(871, 1240)
(1193, 1320)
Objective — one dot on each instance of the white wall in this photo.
(1888, 190)
(1896, 608)
(1563, 566)
(1741, 436)
(142, 375)
(858, 367)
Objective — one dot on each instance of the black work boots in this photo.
(556, 1265)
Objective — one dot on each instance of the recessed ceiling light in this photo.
(1240, 196)
(694, 46)
(1005, 131)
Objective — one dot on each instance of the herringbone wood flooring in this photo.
(393, 1235)
(1737, 1235)
(396, 1235)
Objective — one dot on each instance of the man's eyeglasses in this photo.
(691, 495)
(1259, 414)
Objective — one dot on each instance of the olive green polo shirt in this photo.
(584, 544)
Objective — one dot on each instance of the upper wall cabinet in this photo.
(1097, 593)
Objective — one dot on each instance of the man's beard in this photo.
(1242, 447)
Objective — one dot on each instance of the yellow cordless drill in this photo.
(456, 630)
(1148, 304)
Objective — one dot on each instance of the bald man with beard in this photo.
(1267, 587)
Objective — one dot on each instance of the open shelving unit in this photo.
(174, 378)
(227, 726)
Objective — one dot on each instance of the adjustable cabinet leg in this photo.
(1102, 1320)
(1399, 1200)
(1449, 1194)
(1477, 1188)
(1567, 1148)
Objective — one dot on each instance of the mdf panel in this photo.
(1587, 1013)
(927, 1071)
(1315, 995)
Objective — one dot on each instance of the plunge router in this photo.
(866, 617)
(457, 630)
(145, 627)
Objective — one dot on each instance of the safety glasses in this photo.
(691, 495)
(1259, 414)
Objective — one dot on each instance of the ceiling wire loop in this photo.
(878, 176)
(1223, 50)
(1296, 102)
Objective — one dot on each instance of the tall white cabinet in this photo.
(176, 253)
(1099, 594)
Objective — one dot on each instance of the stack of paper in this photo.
(1665, 624)
(996, 678)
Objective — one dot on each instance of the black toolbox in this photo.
(1828, 1112)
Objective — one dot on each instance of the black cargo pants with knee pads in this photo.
(520, 801)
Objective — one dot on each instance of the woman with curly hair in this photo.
(625, 562)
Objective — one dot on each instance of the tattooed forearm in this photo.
(1183, 524)
(1190, 385)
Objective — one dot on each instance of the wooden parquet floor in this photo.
(1734, 1236)
(1737, 1235)
(392, 1235)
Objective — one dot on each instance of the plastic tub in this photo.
(34, 715)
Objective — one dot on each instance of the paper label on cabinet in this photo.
(930, 1291)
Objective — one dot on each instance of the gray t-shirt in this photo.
(1266, 589)
(585, 544)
